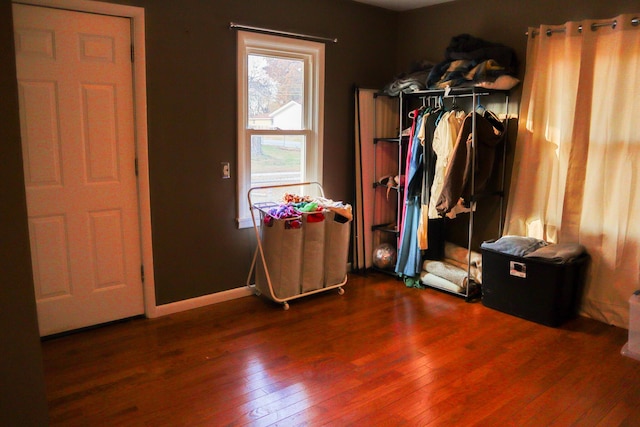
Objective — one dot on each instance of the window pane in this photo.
(276, 159)
(276, 93)
(280, 138)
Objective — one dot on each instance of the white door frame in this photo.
(136, 15)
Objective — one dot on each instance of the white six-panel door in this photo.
(76, 109)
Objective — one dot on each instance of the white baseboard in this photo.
(203, 301)
(176, 307)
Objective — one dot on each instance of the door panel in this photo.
(42, 154)
(50, 260)
(76, 108)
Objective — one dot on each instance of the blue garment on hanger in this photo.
(408, 256)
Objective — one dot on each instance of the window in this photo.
(280, 106)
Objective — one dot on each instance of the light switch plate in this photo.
(226, 171)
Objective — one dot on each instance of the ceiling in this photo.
(402, 5)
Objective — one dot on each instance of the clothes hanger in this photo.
(495, 121)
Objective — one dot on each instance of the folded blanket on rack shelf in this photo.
(475, 272)
(458, 253)
(431, 279)
(452, 273)
(459, 256)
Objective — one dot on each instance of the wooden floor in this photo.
(379, 355)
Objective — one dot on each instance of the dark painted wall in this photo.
(191, 87)
(22, 398)
(425, 33)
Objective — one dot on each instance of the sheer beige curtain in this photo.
(577, 162)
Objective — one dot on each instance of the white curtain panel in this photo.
(577, 161)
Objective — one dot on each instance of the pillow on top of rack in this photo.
(411, 81)
(504, 82)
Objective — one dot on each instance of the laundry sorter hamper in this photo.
(298, 255)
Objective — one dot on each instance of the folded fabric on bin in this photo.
(558, 252)
(452, 273)
(514, 245)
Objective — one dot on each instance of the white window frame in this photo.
(312, 53)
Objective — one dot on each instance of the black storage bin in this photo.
(534, 289)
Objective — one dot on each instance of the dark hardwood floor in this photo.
(381, 354)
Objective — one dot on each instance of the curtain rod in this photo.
(233, 25)
(635, 22)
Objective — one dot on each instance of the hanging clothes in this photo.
(458, 180)
(420, 166)
(431, 230)
(422, 231)
(415, 115)
(408, 254)
(444, 140)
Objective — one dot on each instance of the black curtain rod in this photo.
(233, 25)
(635, 22)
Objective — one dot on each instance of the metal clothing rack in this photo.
(472, 290)
(268, 287)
